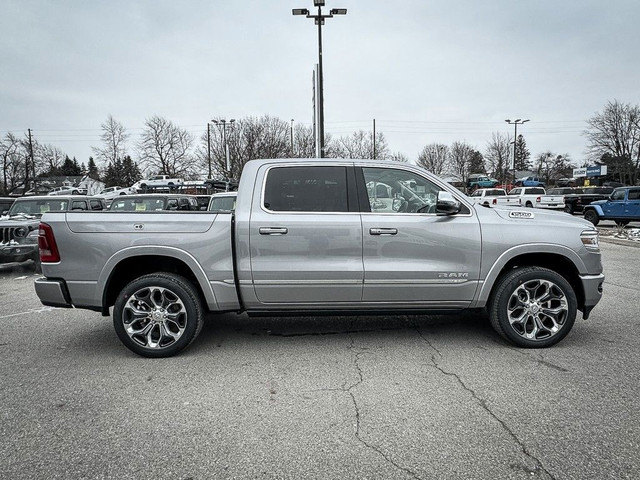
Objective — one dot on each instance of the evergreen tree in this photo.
(476, 163)
(70, 167)
(83, 169)
(92, 169)
(522, 161)
(130, 172)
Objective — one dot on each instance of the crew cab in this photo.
(575, 202)
(319, 236)
(525, 196)
(489, 196)
(480, 181)
(530, 182)
(160, 181)
(623, 206)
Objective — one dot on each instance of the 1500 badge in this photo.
(521, 214)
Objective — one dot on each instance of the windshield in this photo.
(36, 208)
(137, 204)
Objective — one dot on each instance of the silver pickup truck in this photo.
(316, 236)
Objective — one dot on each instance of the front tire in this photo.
(158, 315)
(533, 307)
(592, 216)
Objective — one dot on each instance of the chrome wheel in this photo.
(537, 309)
(154, 317)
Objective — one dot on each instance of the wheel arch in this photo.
(596, 208)
(566, 263)
(128, 265)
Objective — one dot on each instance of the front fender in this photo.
(487, 285)
(597, 208)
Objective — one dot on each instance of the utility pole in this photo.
(292, 138)
(209, 147)
(319, 21)
(515, 123)
(33, 165)
(374, 138)
(224, 124)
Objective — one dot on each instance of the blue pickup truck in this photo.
(623, 206)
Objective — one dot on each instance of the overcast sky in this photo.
(427, 71)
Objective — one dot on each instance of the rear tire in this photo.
(592, 216)
(158, 315)
(533, 307)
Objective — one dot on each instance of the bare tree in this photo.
(398, 157)
(359, 145)
(460, 155)
(616, 132)
(50, 157)
(433, 157)
(497, 154)
(304, 142)
(166, 148)
(114, 141)
(10, 153)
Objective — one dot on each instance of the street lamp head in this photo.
(517, 120)
(232, 120)
(318, 3)
(525, 121)
(300, 11)
(508, 120)
(338, 11)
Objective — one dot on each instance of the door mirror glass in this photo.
(447, 204)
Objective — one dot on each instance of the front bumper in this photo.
(18, 252)
(592, 285)
(53, 293)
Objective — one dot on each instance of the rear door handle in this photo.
(383, 231)
(273, 231)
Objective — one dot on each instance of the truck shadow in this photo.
(232, 328)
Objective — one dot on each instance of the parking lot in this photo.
(327, 397)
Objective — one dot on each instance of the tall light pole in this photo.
(224, 124)
(515, 123)
(319, 21)
(209, 147)
(292, 138)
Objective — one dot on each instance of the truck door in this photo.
(412, 256)
(615, 207)
(306, 236)
(633, 203)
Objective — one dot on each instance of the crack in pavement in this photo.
(483, 404)
(346, 389)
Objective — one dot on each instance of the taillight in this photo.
(537, 199)
(495, 201)
(47, 244)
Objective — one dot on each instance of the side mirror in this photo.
(5, 212)
(447, 204)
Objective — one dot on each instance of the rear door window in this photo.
(306, 189)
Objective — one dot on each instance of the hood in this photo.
(599, 202)
(534, 216)
(19, 220)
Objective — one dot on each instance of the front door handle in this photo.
(383, 231)
(273, 231)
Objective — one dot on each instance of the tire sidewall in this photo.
(592, 217)
(182, 289)
(512, 282)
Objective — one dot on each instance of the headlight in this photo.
(590, 239)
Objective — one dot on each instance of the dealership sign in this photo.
(596, 171)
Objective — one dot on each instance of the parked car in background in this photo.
(159, 181)
(5, 203)
(19, 228)
(109, 193)
(525, 196)
(623, 206)
(554, 199)
(38, 190)
(489, 196)
(67, 191)
(153, 202)
(575, 202)
(530, 182)
(480, 181)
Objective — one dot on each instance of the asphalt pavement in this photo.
(400, 397)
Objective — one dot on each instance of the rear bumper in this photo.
(592, 285)
(551, 206)
(52, 292)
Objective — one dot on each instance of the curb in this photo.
(620, 241)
